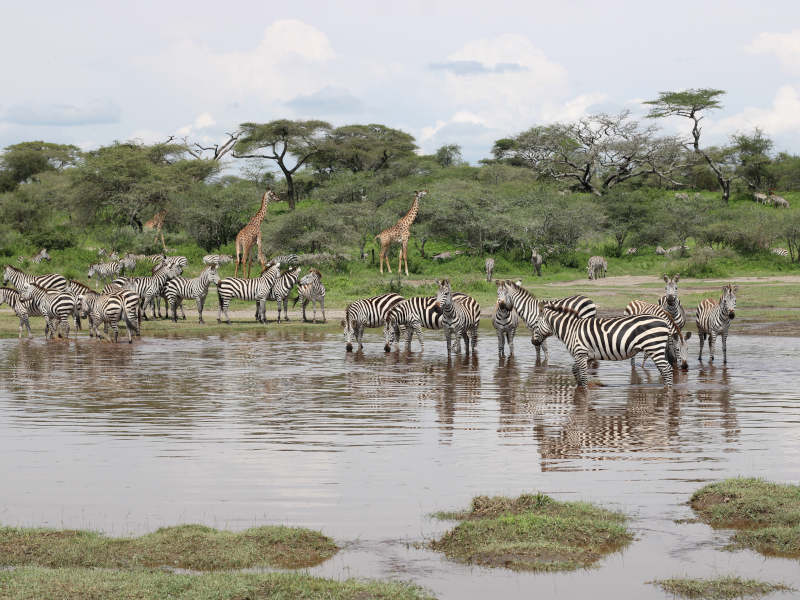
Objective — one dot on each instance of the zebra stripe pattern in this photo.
(55, 305)
(51, 281)
(489, 266)
(20, 308)
(179, 288)
(106, 309)
(150, 286)
(311, 289)
(281, 289)
(780, 252)
(105, 271)
(36, 258)
(680, 345)
(412, 315)
(536, 261)
(713, 318)
(460, 316)
(670, 301)
(287, 260)
(257, 289)
(367, 312)
(597, 267)
(614, 338)
(217, 259)
(505, 322)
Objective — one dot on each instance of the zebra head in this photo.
(213, 276)
(391, 331)
(444, 297)
(8, 274)
(680, 349)
(728, 301)
(26, 291)
(505, 300)
(349, 332)
(544, 325)
(43, 255)
(92, 271)
(671, 288)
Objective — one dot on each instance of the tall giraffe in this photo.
(252, 233)
(157, 224)
(399, 234)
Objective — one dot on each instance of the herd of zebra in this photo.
(654, 330)
(126, 299)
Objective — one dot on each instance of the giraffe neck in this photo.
(265, 200)
(412, 213)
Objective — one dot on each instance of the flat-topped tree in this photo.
(692, 104)
(282, 141)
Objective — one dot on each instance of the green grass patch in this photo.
(34, 583)
(533, 533)
(721, 588)
(185, 546)
(766, 514)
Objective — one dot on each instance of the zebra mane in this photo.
(560, 308)
(13, 268)
(674, 324)
(517, 286)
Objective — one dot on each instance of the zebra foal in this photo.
(311, 289)
(713, 318)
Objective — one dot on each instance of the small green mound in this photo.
(185, 546)
(533, 533)
(722, 588)
(767, 514)
(34, 583)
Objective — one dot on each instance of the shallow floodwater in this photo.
(286, 428)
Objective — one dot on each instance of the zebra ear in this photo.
(677, 277)
(666, 278)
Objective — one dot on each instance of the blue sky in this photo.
(462, 72)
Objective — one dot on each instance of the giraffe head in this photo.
(418, 194)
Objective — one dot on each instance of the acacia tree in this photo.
(214, 152)
(691, 104)
(360, 148)
(449, 155)
(20, 162)
(753, 158)
(281, 141)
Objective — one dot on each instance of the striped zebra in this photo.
(597, 267)
(36, 258)
(150, 286)
(105, 271)
(257, 289)
(412, 315)
(536, 261)
(613, 338)
(111, 256)
(149, 258)
(20, 308)
(55, 305)
(287, 260)
(130, 299)
(311, 289)
(528, 307)
(460, 316)
(281, 289)
(108, 309)
(713, 318)
(367, 312)
(780, 252)
(51, 281)
(179, 288)
(174, 261)
(679, 342)
(631, 251)
(217, 260)
(76, 288)
(670, 301)
(489, 267)
(505, 321)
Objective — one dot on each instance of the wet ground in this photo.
(286, 428)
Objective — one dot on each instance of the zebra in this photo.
(505, 321)
(412, 315)
(311, 289)
(151, 258)
(104, 271)
(51, 281)
(108, 310)
(113, 255)
(36, 258)
(367, 312)
(670, 301)
(489, 267)
(217, 260)
(460, 316)
(680, 345)
(20, 308)
(612, 338)
(631, 251)
(780, 252)
(257, 289)
(674, 249)
(282, 288)
(130, 299)
(55, 305)
(150, 286)
(76, 288)
(597, 267)
(287, 260)
(181, 287)
(526, 305)
(660, 251)
(173, 261)
(714, 318)
(536, 261)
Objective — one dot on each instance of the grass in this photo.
(185, 546)
(766, 514)
(33, 583)
(721, 588)
(533, 533)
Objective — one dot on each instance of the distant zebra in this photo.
(257, 289)
(113, 255)
(367, 312)
(128, 263)
(281, 289)
(20, 308)
(151, 258)
(660, 251)
(177, 261)
(505, 321)
(597, 267)
(105, 271)
(56, 306)
(780, 252)
(412, 315)
(311, 289)
(631, 251)
(460, 316)
(150, 286)
(714, 318)
(674, 249)
(287, 260)
(528, 307)
(106, 309)
(51, 281)
(614, 338)
(536, 261)
(217, 259)
(680, 345)
(489, 267)
(36, 258)
(670, 301)
(179, 288)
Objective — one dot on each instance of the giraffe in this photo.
(157, 224)
(399, 234)
(252, 233)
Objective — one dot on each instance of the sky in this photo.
(467, 73)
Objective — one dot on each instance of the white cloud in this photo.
(782, 117)
(96, 112)
(202, 121)
(572, 109)
(785, 46)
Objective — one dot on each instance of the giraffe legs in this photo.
(404, 255)
(236, 270)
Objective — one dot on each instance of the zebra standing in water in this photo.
(680, 346)
(489, 266)
(55, 306)
(670, 301)
(367, 312)
(516, 297)
(614, 338)
(51, 281)
(179, 288)
(281, 289)
(460, 316)
(536, 261)
(108, 310)
(505, 321)
(714, 318)
(257, 289)
(217, 260)
(311, 289)
(412, 315)
(597, 267)
(20, 308)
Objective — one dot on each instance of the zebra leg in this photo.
(473, 334)
(702, 338)
(447, 340)
(664, 368)
(545, 350)
(510, 335)
(286, 308)
(712, 338)
(724, 336)
(418, 331)
(200, 303)
(580, 370)
(183, 312)
(322, 305)
(501, 342)
(173, 305)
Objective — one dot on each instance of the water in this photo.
(286, 428)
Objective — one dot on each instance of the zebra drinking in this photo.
(367, 312)
(713, 318)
